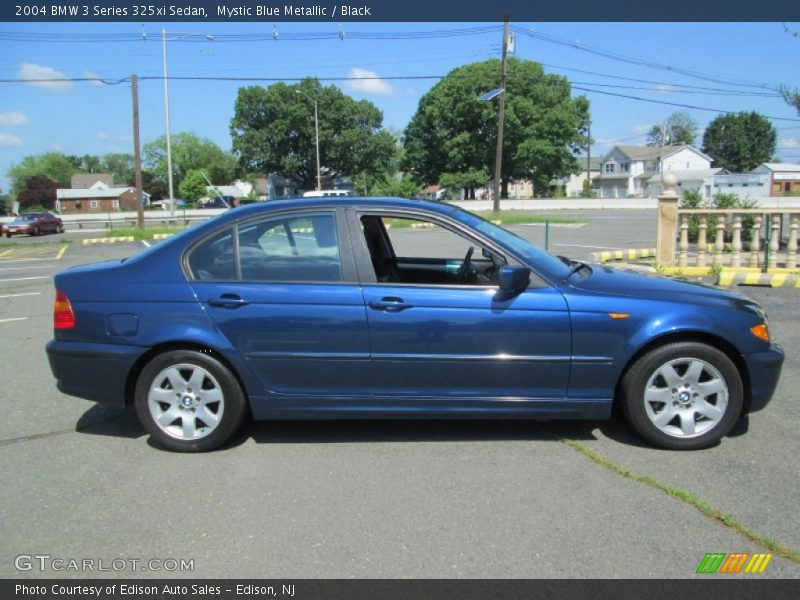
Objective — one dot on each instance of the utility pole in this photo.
(589, 156)
(137, 154)
(501, 116)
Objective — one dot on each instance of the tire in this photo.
(683, 396)
(59, 229)
(188, 401)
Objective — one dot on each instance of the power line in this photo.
(618, 56)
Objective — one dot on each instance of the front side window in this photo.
(417, 251)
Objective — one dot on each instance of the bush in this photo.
(722, 200)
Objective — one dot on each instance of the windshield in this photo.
(28, 217)
(538, 258)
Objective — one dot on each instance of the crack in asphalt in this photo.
(57, 432)
(686, 497)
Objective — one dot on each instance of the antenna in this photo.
(144, 34)
(341, 32)
(274, 33)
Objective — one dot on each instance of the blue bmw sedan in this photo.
(390, 308)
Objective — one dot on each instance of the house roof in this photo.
(654, 152)
(689, 174)
(87, 180)
(793, 168)
(226, 190)
(95, 192)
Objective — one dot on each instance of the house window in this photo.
(115, 203)
(610, 167)
(93, 204)
(624, 167)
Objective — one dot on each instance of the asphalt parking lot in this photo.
(464, 499)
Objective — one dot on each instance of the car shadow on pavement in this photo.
(109, 421)
(412, 430)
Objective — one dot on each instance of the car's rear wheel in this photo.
(189, 401)
(683, 396)
(60, 228)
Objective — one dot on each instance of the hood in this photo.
(635, 284)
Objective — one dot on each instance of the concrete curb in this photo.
(625, 254)
(108, 240)
(162, 236)
(731, 278)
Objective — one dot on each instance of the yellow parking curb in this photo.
(108, 240)
(162, 236)
(625, 254)
(730, 278)
(60, 253)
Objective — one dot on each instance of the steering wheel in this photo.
(464, 269)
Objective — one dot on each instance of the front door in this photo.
(440, 329)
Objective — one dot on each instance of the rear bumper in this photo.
(764, 369)
(97, 372)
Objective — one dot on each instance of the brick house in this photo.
(99, 198)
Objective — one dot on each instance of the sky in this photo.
(723, 66)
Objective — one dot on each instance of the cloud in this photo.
(93, 75)
(31, 71)
(13, 117)
(102, 135)
(125, 138)
(641, 129)
(56, 147)
(367, 82)
(789, 143)
(665, 88)
(10, 141)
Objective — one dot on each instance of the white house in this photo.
(627, 171)
(238, 189)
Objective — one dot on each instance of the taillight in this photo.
(63, 317)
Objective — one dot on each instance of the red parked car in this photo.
(34, 223)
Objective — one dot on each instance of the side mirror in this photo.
(514, 279)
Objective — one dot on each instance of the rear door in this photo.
(290, 305)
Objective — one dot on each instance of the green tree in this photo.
(468, 180)
(405, 187)
(50, 165)
(193, 186)
(680, 128)
(119, 165)
(453, 131)
(740, 142)
(189, 152)
(273, 132)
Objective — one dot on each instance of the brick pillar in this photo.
(667, 231)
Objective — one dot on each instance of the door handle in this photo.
(227, 301)
(390, 304)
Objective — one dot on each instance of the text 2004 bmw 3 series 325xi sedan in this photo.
(338, 308)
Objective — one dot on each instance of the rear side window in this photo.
(293, 248)
(214, 259)
(300, 248)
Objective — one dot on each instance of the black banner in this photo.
(144, 11)
(733, 588)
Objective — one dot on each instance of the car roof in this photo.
(345, 201)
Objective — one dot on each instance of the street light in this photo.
(175, 36)
(316, 127)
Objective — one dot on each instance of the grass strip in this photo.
(689, 498)
(140, 234)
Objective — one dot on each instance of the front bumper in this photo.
(97, 372)
(764, 369)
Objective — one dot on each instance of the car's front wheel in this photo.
(188, 401)
(683, 396)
